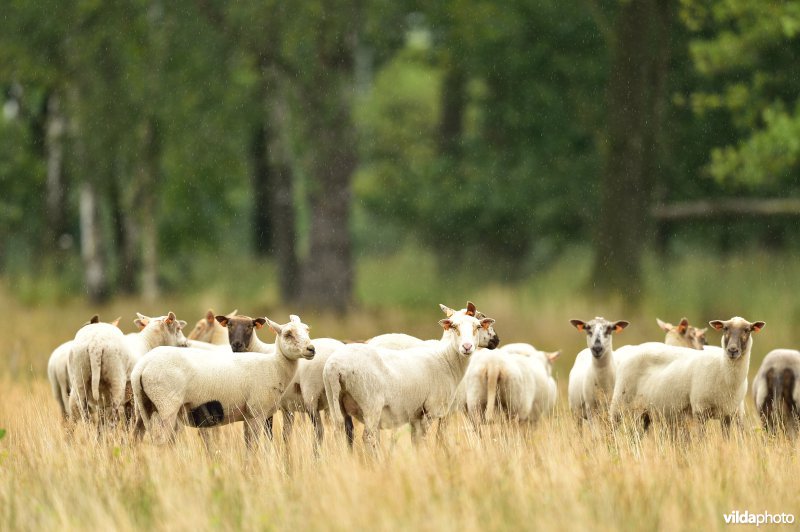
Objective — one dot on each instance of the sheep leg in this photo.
(371, 440)
(288, 421)
(316, 421)
(726, 422)
(138, 429)
(348, 429)
(268, 427)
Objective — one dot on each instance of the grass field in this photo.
(556, 477)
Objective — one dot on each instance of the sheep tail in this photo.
(140, 399)
(95, 360)
(492, 376)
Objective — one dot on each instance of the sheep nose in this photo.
(467, 347)
(733, 351)
(237, 347)
(597, 349)
(312, 350)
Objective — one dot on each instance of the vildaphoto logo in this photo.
(764, 518)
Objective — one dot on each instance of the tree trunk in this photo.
(94, 263)
(262, 226)
(453, 98)
(56, 189)
(124, 203)
(327, 280)
(626, 184)
(149, 178)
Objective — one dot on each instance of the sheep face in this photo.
(598, 333)
(292, 338)
(464, 329)
(167, 330)
(240, 330)
(204, 328)
(736, 335)
(683, 334)
(487, 338)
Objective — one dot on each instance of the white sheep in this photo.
(212, 390)
(518, 377)
(683, 334)
(98, 360)
(386, 388)
(776, 391)
(671, 382)
(305, 392)
(58, 370)
(591, 380)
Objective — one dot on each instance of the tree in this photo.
(635, 96)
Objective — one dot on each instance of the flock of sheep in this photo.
(158, 380)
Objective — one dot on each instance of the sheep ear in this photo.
(294, 318)
(683, 326)
(232, 313)
(578, 324)
(447, 310)
(717, 324)
(757, 326)
(259, 323)
(170, 318)
(94, 319)
(275, 327)
(621, 324)
(486, 323)
(142, 316)
(115, 323)
(223, 320)
(141, 322)
(210, 316)
(446, 324)
(181, 324)
(553, 356)
(471, 310)
(664, 325)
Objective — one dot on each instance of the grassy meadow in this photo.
(557, 476)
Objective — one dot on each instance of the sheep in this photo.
(683, 334)
(209, 334)
(102, 357)
(517, 376)
(668, 381)
(203, 389)
(488, 338)
(58, 370)
(305, 392)
(386, 388)
(591, 380)
(776, 391)
(97, 362)
(152, 332)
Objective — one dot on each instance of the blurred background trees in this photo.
(142, 141)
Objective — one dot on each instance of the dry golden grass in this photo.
(556, 477)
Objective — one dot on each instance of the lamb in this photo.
(657, 379)
(591, 380)
(386, 388)
(58, 370)
(305, 392)
(208, 390)
(517, 377)
(776, 391)
(683, 334)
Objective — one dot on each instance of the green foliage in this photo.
(748, 49)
